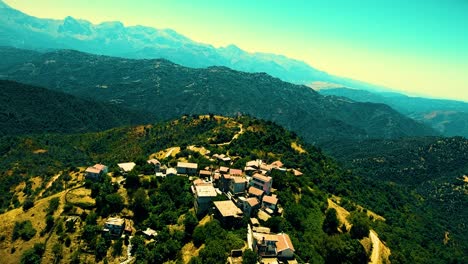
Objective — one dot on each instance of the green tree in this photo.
(249, 257)
(190, 222)
(28, 203)
(360, 226)
(117, 247)
(33, 255)
(53, 205)
(331, 223)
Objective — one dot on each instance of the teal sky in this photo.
(420, 47)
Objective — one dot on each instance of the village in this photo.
(227, 194)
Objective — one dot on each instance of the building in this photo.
(249, 205)
(237, 184)
(255, 192)
(262, 182)
(284, 247)
(223, 170)
(235, 172)
(204, 174)
(203, 193)
(171, 172)
(187, 168)
(126, 167)
(270, 202)
(227, 212)
(96, 172)
(273, 245)
(156, 164)
(114, 225)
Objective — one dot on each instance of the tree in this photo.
(360, 226)
(33, 255)
(190, 222)
(24, 229)
(101, 248)
(331, 223)
(249, 257)
(115, 202)
(57, 251)
(117, 247)
(49, 223)
(53, 205)
(28, 203)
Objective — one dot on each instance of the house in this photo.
(249, 205)
(273, 245)
(224, 158)
(204, 174)
(114, 225)
(203, 193)
(250, 170)
(187, 168)
(237, 185)
(254, 164)
(235, 172)
(227, 212)
(156, 164)
(171, 172)
(270, 202)
(262, 182)
(223, 170)
(277, 164)
(95, 172)
(284, 247)
(255, 192)
(126, 167)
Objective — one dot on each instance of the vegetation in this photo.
(23, 230)
(165, 204)
(29, 109)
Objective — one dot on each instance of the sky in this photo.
(418, 47)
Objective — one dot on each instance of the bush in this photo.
(28, 203)
(24, 229)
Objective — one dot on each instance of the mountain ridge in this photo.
(170, 90)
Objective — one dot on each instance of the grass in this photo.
(297, 147)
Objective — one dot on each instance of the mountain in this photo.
(139, 42)
(449, 117)
(26, 109)
(170, 90)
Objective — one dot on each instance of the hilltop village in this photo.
(223, 193)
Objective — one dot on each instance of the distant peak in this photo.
(232, 47)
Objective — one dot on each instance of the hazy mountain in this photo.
(27, 109)
(170, 90)
(446, 116)
(139, 42)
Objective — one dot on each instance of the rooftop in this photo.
(261, 177)
(205, 172)
(255, 191)
(239, 179)
(228, 208)
(126, 166)
(284, 242)
(270, 199)
(235, 172)
(297, 173)
(252, 201)
(187, 165)
(153, 161)
(116, 221)
(205, 190)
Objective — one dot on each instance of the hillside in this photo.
(426, 174)
(26, 109)
(446, 116)
(32, 175)
(169, 90)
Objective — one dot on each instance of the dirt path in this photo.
(375, 256)
(50, 183)
(241, 131)
(169, 152)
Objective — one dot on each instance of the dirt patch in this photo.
(297, 147)
(39, 151)
(189, 250)
(165, 153)
(341, 213)
(80, 196)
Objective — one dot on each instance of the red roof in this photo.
(277, 164)
(253, 201)
(255, 191)
(223, 169)
(270, 199)
(261, 177)
(297, 173)
(205, 172)
(284, 242)
(235, 172)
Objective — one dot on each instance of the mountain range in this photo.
(169, 90)
(448, 117)
(139, 42)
